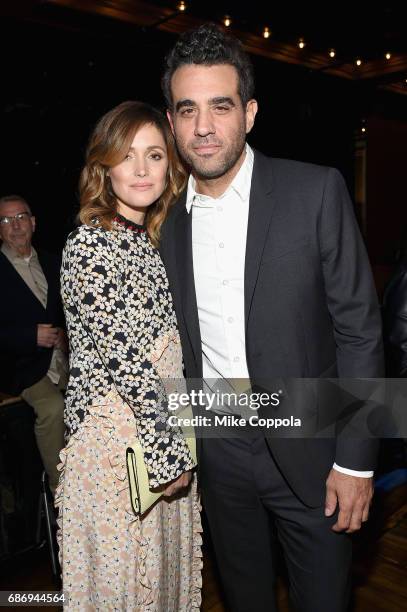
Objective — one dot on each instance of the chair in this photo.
(25, 504)
(46, 511)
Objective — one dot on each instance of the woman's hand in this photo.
(176, 485)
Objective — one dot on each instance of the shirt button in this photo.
(225, 282)
(221, 245)
(236, 359)
(219, 208)
(230, 319)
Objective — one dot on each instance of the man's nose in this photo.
(204, 124)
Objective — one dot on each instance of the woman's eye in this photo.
(156, 156)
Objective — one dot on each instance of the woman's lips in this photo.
(141, 186)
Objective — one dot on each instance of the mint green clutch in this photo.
(141, 496)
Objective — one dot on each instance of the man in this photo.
(270, 280)
(33, 344)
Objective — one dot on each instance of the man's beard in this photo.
(202, 168)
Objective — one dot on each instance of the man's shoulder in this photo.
(176, 209)
(5, 263)
(178, 205)
(290, 168)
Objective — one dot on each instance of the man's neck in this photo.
(19, 251)
(24, 251)
(216, 187)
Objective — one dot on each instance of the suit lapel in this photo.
(20, 283)
(261, 207)
(185, 270)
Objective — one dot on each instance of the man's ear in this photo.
(170, 121)
(33, 223)
(251, 111)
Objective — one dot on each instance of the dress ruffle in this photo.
(105, 418)
(197, 561)
(97, 419)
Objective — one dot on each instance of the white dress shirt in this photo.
(219, 231)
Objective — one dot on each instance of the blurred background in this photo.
(331, 84)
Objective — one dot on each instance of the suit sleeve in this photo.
(353, 305)
(90, 285)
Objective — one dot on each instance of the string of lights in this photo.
(266, 32)
(304, 46)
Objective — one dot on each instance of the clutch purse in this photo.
(141, 496)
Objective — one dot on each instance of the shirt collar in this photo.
(240, 184)
(14, 257)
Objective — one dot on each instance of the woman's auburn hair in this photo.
(108, 146)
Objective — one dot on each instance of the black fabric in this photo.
(310, 304)
(22, 362)
(395, 322)
(20, 477)
(248, 504)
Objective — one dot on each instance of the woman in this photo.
(124, 341)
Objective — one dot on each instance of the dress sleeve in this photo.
(90, 276)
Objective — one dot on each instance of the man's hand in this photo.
(62, 341)
(176, 485)
(47, 335)
(353, 494)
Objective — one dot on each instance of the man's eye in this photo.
(222, 109)
(187, 111)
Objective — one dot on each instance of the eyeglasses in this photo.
(23, 216)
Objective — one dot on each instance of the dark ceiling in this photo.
(364, 30)
(66, 62)
(354, 29)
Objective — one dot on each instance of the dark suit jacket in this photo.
(310, 304)
(22, 362)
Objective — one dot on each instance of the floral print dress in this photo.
(124, 346)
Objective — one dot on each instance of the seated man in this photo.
(33, 347)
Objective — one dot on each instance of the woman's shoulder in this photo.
(87, 242)
(88, 234)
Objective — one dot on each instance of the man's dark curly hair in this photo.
(209, 45)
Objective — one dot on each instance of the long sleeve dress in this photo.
(124, 344)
